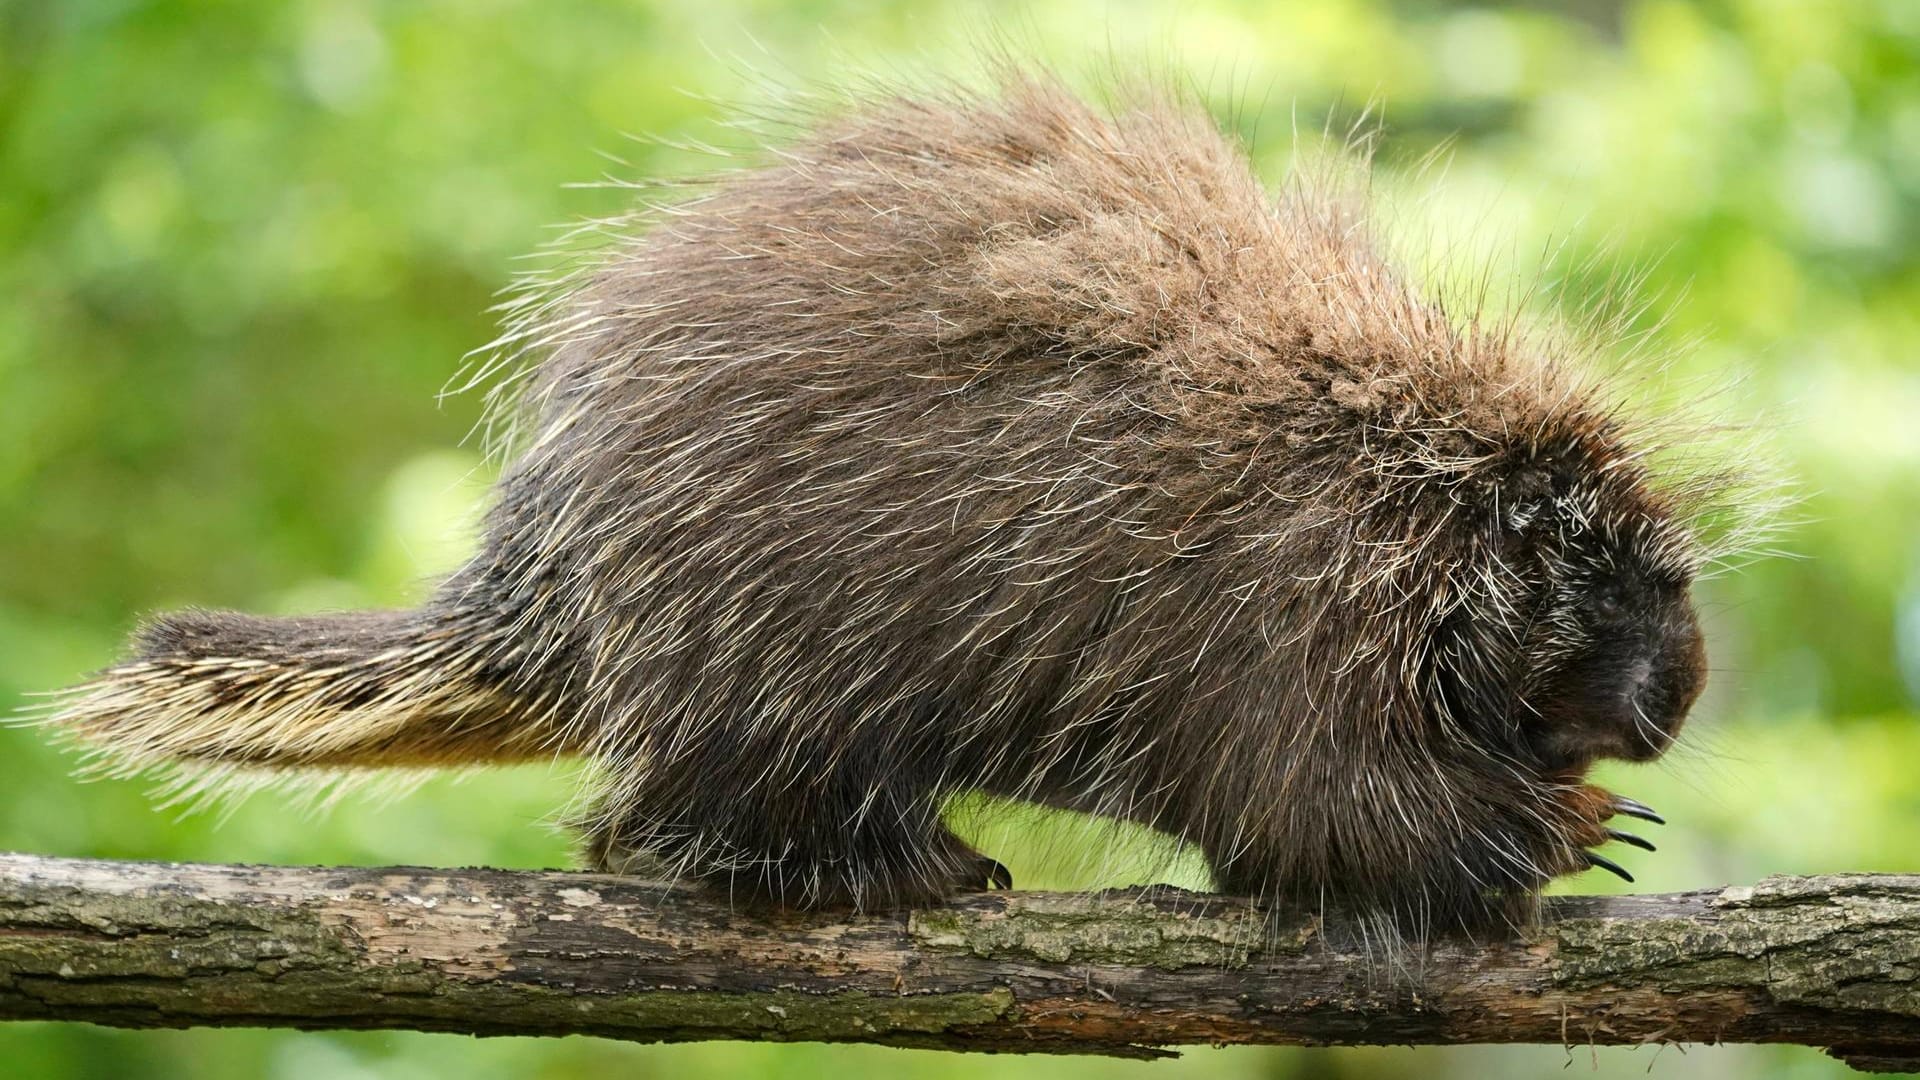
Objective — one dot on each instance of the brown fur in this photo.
(992, 443)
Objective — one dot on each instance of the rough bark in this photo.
(1826, 961)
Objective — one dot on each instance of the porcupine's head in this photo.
(1586, 644)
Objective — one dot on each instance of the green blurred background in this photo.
(243, 245)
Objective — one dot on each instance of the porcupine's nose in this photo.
(1664, 684)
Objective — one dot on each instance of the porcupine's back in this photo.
(978, 442)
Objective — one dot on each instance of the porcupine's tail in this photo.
(215, 692)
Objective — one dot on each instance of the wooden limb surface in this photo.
(1822, 961)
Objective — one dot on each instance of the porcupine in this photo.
(995, 442)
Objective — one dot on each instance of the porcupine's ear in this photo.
(1526, 501)
(1518, 502)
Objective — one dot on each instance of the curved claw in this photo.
(1606, 864)
(1634, 808)
(997, 875)
(1628, 838)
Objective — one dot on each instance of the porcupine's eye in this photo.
(1606, 602)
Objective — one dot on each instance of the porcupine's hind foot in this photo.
(1590, 808)
(864, 869)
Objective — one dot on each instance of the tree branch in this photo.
(1826, 961)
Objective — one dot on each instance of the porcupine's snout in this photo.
(1628, 694)
(1663, 686)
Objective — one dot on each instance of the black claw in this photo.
(1628, 838)
(1636, 809)
(1606, 864)
(998, 876)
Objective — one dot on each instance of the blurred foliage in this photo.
(243, 245)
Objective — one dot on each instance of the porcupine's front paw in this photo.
(1591, 807)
